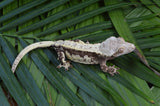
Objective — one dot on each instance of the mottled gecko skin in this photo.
(85, 53)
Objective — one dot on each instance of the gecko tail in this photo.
(28, 49)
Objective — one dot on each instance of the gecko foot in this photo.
(111, 69)
(66, 65)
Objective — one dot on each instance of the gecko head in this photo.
(116, 47)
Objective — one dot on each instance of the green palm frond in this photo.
(37, 81)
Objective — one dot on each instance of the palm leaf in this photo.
(3, 99)
(37, 81)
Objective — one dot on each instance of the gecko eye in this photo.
(120, 50)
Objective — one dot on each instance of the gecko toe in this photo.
(112, 70)
(66, 65)
(59, 66)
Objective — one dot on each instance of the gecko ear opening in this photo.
(109, 46)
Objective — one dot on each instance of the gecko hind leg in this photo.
(64, 63)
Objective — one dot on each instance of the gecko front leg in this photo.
(61, 58)
(109, 69)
